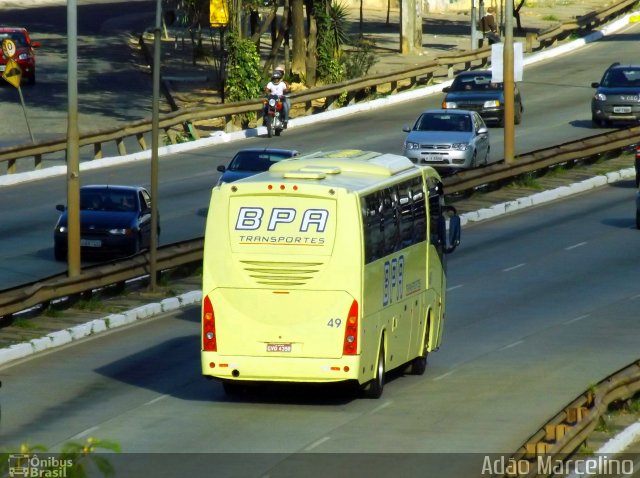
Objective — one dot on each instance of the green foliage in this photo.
(332, 36)
(23, 324)
(359, 61)
(76, 460)
(244, 78)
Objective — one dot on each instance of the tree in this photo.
(298, 60)
(516, 14)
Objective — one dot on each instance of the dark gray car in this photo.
(474, 91)
(617, 97)
(250, 161)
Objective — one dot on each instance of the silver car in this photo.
(617, 96)
(448, 140)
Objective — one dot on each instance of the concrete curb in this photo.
(96, 326)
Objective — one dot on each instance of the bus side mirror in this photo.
(449, 229)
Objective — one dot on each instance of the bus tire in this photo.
(376, 386)
(419, 365)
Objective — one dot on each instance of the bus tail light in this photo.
(350, 345)
(209, 339)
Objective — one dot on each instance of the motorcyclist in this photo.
(277, 86)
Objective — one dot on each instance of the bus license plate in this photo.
(90, 243)
(622, 109)
(278, 347)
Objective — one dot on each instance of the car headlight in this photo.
(460, 146)
(24, 56)
(492, 104)
(62, 229)
(411, 145)
(600, 97)
(449, 104)
(121, 231)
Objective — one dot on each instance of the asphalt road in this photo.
(541, 305)
(112, 92)
(556, 111)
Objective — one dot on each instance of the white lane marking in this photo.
(440, 377)
(317, 443)
(380, 407)
(453, 287)
(579, 244)
(157, 399)
(510, 346)
(83, 434)
(509, 269)
(575, 319)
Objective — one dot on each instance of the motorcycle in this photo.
(273, 115)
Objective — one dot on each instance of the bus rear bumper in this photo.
(280, 369)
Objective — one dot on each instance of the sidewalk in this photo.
(443, 34)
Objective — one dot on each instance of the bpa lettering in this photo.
(251, 218)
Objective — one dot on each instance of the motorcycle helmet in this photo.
(276, 76)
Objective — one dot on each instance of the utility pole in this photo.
(73, 144)
(474, 28)
(155, 144)
(508, 84)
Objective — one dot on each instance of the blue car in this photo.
(250, 161)
(114, 221)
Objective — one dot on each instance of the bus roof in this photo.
(351, 170)
(343, 161)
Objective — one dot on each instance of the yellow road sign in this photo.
(218, 13)
(13, 73)
(8, 47)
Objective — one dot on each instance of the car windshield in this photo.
(474, 83)
(443, 122)
(17, 37)
(113, 201)
(255, 160)
(621, 78)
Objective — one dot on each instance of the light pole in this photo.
(155, 143)
(73, 141)
(508, 84)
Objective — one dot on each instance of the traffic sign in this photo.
(8, 47)
(13, 73)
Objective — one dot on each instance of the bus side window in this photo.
(391, 221)
(405, 206)
(373, 232)
(435, 209)
(419, 211)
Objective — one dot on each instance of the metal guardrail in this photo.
(570, 428)
(356, 90)
(593, 146)
(176, 255)
(43, 292)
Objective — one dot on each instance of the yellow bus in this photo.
(328, 267)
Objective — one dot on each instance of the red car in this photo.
(24, 56)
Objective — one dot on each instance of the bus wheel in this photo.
(376, 386)
(419, 365)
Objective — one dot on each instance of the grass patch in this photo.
(51, 312)
(550, 18)
(602, 425)
(23, 323)
(92, 305)
(526, 181)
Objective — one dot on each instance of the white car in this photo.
(448, 140)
